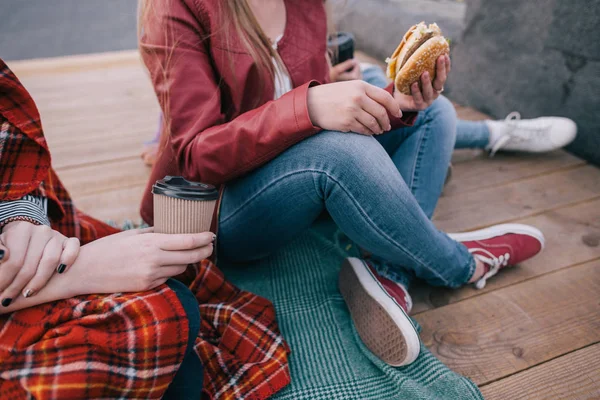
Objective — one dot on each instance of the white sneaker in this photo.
(531, 135)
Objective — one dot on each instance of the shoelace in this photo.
(526, 133)
(495, 263)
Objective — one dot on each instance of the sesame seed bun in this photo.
(418, 52)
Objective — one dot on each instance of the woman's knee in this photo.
(442, 107)
(339, 151)
(351, 162)
(190, 306)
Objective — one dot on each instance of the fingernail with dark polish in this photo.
(1, 254)
(61, 268)
(28, 293)
(6, 302)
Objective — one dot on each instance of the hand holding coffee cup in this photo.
(181, 206)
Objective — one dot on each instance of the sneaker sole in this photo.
(499, 230)
(381, 323)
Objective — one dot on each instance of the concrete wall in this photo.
(539, 57)
(378, 25)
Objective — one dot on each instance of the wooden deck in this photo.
(533, 333)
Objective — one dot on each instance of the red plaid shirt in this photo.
(111, 346)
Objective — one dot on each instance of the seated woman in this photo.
(245, 90)
(105, 320)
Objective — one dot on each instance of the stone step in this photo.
(379, 25)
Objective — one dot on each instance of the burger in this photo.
(418, 52)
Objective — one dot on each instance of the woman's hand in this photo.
(353, 106)
(423, 97)
(137, 260)
(348, 70)
(33, 253)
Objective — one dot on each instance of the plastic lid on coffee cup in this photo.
(180, 188)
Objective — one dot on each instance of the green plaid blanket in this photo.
(328, 360)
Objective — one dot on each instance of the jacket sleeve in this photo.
(32, 209)
(208, 147)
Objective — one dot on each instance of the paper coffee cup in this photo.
(181, 206)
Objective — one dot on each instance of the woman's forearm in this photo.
(130, 261)
(72, 283)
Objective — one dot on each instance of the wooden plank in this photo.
(504, 168)
(94, 108)
(67, 64)
(465, 211)
(99, 178)
(470, 114)
(508, 330)
(84, 153)
(573, 376)
(572, 237)
(117, 205)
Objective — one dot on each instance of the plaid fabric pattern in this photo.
(90, 347)
(243, 353)
(124, 345)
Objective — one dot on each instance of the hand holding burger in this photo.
(419, 67)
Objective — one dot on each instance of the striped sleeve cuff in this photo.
(30, 208)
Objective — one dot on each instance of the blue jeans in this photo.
(187, 384)
(469, 134)
(380, 190)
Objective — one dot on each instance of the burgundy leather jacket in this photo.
(223, 119)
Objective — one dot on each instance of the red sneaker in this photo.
(501, 245)
(379, 308)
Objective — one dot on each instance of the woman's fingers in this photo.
(378, 112)
(169, 271)
(441, 74)
(45, 269)
(357, 127)
(384, 98)
(69, 254)
(418, 97)
(368, 123)
(185, 241)
(17, 241)
(4, 253)
(448, 64)
(429, 94)
(42, 235)
(349, 74)
(185, 257)
(344, 66)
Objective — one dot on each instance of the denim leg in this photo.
(421, 154)
(187, 384)
(354, 178)
(472, 135)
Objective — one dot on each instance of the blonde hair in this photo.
(239, 14)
